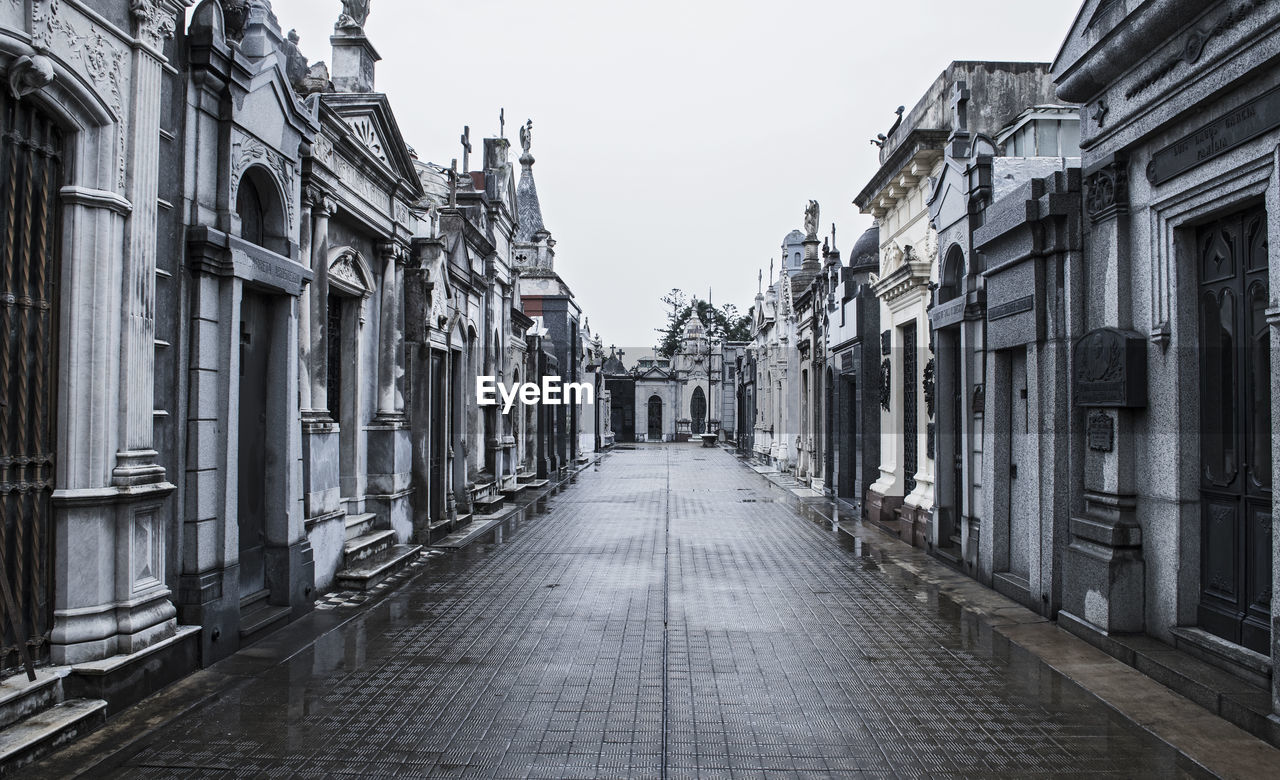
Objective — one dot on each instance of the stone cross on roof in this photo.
(466, 148)
(502, 123)
(960, 107)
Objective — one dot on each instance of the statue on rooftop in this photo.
(354, 15)
(811, 220)
(526, 135)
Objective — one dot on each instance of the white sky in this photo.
(677, 142)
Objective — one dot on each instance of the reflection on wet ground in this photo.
(672, 614)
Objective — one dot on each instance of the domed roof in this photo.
(866, 252)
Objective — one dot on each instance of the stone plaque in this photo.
(1109, 368)
(1218, 137)
(1101, 432)
(846, 361)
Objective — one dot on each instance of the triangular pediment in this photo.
(372, 125)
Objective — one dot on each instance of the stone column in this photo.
(322, 207)
(304, 310)
(136, 457)
(389, 330)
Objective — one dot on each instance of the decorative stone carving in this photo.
(155, 22)
(354, 14)
(100, 60)
(1107, 190)
(29, 74)
(1110, 369)
(249, 151)
(346, 269)
(235, 13)
(929, 387)
(886, 387)
(1101, 432)
(364, 130)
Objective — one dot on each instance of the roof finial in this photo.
(502, 123)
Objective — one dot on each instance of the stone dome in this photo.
(865, 255)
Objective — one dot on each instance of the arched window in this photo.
(261, 211)
(251, 212)
(952, 275)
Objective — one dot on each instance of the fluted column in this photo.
(322, 207)
(389, 330)
(304, 309)
(136, 457)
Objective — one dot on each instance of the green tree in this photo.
(724, 322)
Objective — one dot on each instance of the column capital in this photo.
(321, 202)
(157, 20)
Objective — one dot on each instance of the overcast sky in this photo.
(677, 142)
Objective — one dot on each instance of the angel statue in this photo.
(354, 14)
(811, 220)
(526, 135)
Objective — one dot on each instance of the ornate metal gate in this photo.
(31, 167)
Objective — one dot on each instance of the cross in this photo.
(502, 123)
(466, 148)
(771, 272)
(760, 282)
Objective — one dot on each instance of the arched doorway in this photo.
(31, 166)
(951, 427)
(261, 219)
(698, 410)
(655, 418)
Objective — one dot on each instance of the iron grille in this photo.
(910, 414)
(31, 165)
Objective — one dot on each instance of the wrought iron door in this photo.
(1235, 430)
(910, 412)
(31, 166)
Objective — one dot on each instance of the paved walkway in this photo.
(671, 615)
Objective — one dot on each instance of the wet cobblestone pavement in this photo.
(671, 615)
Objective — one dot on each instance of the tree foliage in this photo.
(723, 322)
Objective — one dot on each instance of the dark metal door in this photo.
(31, 167)
(438, 425)
(910, 418)
(251, 498)
(952, 340)
(655, 418)
(1235, 430)
(698, 410)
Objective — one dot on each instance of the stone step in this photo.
(480, 526)
(359, 525)
(538, 483)
(21, 698)
(514, 490)
(488, 506)
(45, 731)
(526, 476)
(361, 547)
(258, 618)
(372, 570)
